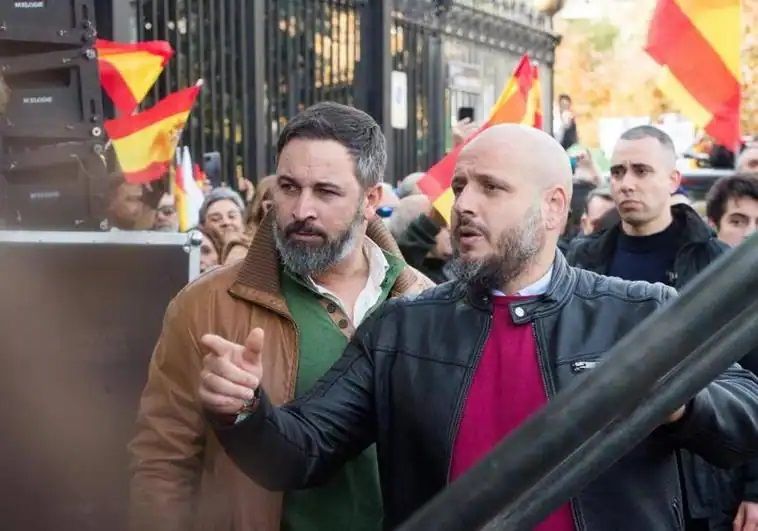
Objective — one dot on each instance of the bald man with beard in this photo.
(437, 381)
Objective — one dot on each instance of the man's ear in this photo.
(373, 199)
(555, 208)
(712, 224)
(676, 180)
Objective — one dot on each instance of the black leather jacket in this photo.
(404, 377)
(712, 494)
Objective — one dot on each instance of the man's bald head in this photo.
(512, 188)
(522, 149)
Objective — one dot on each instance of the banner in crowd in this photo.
(128, 71)
(145, 143)
(697, 44)
(520, 102)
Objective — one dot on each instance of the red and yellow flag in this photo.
(145, 143)
(520, 102)
(697, 42)
(128, 71)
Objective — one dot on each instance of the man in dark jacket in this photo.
(438, 380)
(732, 210)
(657, 242)
(654, 241)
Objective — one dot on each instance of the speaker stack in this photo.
(52, 170)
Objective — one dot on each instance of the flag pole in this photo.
(198, 84)
(178, 135)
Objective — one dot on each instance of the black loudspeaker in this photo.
(52, 170)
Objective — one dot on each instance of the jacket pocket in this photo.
(582, 362)
(567, 370)
(583, 365)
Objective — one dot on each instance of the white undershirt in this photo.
(371, 293)
(532, 290)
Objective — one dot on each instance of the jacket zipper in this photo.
(464, 392)
(547, 385)
(581, 366)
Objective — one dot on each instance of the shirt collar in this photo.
(532, 290)
(369, 296)
(377, 264)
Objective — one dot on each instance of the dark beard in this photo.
(514, 252)
(305, 260)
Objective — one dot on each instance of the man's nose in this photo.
(303, 207)
(627, 182)
(465, 203)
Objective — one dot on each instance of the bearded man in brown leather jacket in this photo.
(320, 263)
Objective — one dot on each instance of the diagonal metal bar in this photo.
(661, 345)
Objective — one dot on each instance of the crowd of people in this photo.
(318, 380)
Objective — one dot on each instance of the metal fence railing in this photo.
(212, 41)
(312, 51)
(264, 61)
(416, 54)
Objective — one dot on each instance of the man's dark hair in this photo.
(649, 131)
(726, 188)
(352, 128)
(721, 157)
(564, 97)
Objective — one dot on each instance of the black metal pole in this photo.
(595, 402)
(375, 69)
(258, 124)
(607, 446)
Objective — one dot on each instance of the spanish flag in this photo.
(145, 143)
(520, 102)
(128, 71)
(697, 44)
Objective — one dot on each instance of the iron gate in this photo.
(416, 53)
(312, 48)
(212, 42)
(315, 47)
(265, 60)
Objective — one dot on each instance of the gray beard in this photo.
(515, 250)
(307, 260)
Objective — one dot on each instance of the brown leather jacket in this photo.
(181, 478)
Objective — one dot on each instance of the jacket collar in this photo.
(558, 293)
(258, 278)
(691, 230)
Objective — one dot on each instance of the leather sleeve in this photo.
(750, 469)
(721, 423)
(750, 362)
(299, 445)
(166, 453)
(750, 481)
